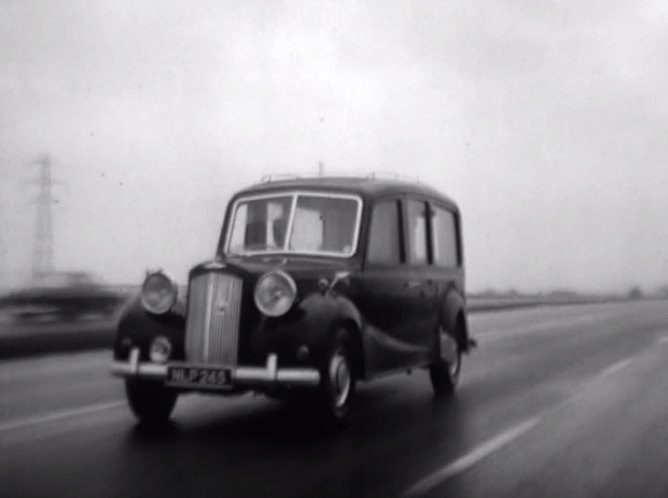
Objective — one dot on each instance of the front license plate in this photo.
(199, 377)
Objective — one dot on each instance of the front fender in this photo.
(137, 327)
(309, 324)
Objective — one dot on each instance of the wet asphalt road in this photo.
(561, 401)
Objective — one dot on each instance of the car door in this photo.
(422, 283)
(384, 302)
(446, 250)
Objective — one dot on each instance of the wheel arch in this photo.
(462, 329)
(137, 327)
(354, 330)
(454, 319)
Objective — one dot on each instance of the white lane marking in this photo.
(663, 340)
(35, 368)
(496, 443)
(561, 322)
(57, 416)
(615, 368)
(470, 459)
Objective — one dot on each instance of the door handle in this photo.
(413, 284)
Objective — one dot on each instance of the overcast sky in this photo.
(546, 120)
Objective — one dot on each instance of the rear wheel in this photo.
(151, 402)
(445, 370)
(338, 378)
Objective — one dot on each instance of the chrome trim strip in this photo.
(207, 315)
(195, 319)
(291, 222)
(301, 377)
(250, 376)
(134, 360)
(144, 370)
(213, 321)
(395, 371)
(214, 265)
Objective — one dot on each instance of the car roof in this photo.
(367, 187)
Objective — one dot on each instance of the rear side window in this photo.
(384, 241)
(417, 232)
(444, 228)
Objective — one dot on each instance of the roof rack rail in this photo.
(388, 175)
(374, 175)
(275, 177)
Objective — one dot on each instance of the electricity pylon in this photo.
(42, 263)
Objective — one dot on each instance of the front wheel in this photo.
(445, 370)
(337, 384)
(151, 402)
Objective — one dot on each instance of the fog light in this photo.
(161, 349)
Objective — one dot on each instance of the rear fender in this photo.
(453, 318)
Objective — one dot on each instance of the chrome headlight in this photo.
(158, 293)
(275, 293)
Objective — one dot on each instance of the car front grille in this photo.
(212, 325)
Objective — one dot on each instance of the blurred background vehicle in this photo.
(62, 296)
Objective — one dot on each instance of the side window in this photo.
(384, 234)
(417, 232)
(444, 229)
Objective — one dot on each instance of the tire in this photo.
(151, 402)
(445, 371)
(338, 379)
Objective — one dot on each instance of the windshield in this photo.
(305, 223)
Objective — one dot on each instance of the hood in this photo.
(298, 266)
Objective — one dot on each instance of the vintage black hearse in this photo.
(316, 284)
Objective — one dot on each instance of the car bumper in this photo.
(267, 376)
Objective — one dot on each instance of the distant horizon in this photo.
(27, 281)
